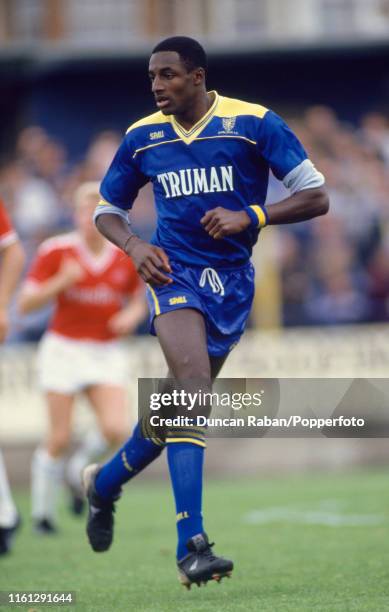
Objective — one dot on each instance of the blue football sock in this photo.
(186, 472)
(133, 457)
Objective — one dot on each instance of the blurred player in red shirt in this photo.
(90, 282)
(11, 265)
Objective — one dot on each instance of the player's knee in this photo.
(114, 435)
(191, 369)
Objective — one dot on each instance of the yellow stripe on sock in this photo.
(149, 433)
(190, 440)
(125, 462)
(199, 438)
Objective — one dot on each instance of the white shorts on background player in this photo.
(66, 365)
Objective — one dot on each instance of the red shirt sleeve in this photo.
(7, 232)
(134, 282)
(45, 265)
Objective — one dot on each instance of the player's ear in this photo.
(198, 76)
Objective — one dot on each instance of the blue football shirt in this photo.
(223, 160)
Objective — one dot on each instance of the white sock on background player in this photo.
(92, 447)
(46, 481)
(8, 512)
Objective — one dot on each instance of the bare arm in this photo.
(300, 206)
(11, 268)
(116, 230)
(12, 262)
(149, 260)
(33, 297)
(128, 319)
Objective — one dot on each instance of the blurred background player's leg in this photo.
(8, 512)
(92, 446)
(109, 405)
(48, 463)
(9, 518)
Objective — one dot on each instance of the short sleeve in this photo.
(44, 266)
(7, 233)
(123, 179)
(279, 146)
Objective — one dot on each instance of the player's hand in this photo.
(220, 222)
(70, 273)
(3, 324)
(149, 261)
(123, 322)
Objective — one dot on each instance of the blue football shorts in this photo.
(223, 296)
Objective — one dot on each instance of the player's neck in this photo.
(95, 244)
(199, 108)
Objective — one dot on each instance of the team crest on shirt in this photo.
(228, 123)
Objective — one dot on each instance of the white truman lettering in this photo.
(162, 178)
(186, 186)
(227, 178)
(214, 182)
(174, 181)
(200, 181)
(195, 180)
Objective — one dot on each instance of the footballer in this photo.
(11, 266)
(98, 298)
(208, 158)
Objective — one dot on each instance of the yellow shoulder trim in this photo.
(228, 107)
(153, 119)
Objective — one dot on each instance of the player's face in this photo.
(173, 86)
(84, 217)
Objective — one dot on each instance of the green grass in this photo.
(281, 566)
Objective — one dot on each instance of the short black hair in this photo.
(190, 51)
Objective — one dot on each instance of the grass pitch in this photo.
(299, 544)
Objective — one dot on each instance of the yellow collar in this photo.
(190, 135)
